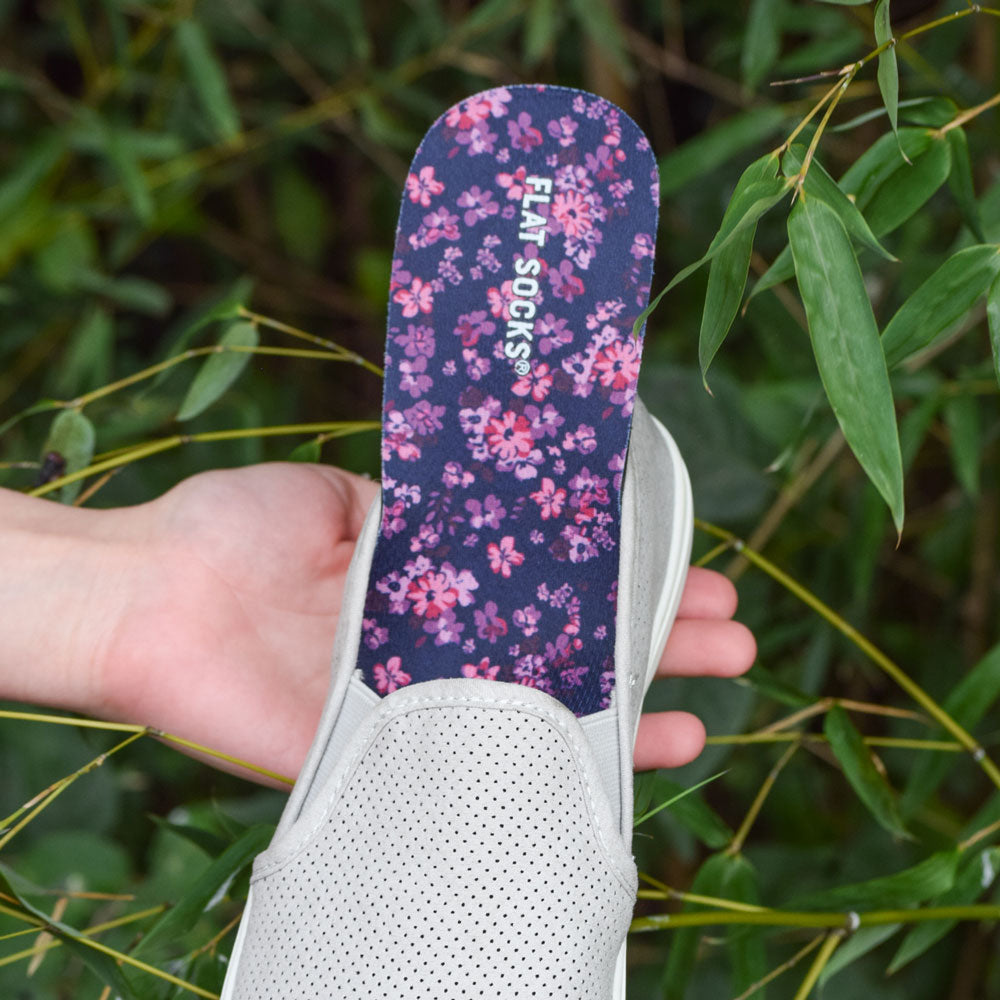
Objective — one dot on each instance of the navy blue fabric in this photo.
(523, 257)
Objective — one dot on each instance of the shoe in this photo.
(462, 824)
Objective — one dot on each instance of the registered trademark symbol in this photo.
(522, 367)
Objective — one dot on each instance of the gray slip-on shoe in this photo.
(462, 824)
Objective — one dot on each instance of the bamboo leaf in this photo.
(888, 72)
(976, 875)
(540, 24)
(961, 417)
(908, 188)
(967, 703)
(761, 41)
(687, 808)
(219, 371)
(207, 78)
(745, 209)
(855, 758)
(308, 451)
(941, 301)
(120, 153)
(24, 177)
(745, 945)
(846, 345)
(961, 185)
(210, 884)
(993, 319)
(72, 438)
(727, 274)
(878, 163)
(823, 186)
(860, 943)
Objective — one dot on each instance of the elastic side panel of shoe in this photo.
(460, 858)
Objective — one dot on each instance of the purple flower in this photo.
(563, 130)
(479, 204)
(416, 340)
(522, 135)
(489, 625)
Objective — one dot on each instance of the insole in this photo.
(523, 256)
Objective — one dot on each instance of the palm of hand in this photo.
(228, 640)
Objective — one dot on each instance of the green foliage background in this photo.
(162, 164)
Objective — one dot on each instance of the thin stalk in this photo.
(736, 845)
(968, 115)
(810, 918)
(784, 967)
(60, 787)
(219, 755)
(664, 891)
(294, 331)
(713, 554)
(333, 428)
(839, 92)
(894, 742)
(87, 932)
(893, 670)
(986, 831)
(819, 963)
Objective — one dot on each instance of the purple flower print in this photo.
(579, 366)
(583, 440)
(374, 635)
(424, 417)
(581, 548)
(390, 675)
(527, 619)
(392, 521)
(487, 514)
(530, 670)
(552, 333)
(412, 377)
(565, 284)
(479, 205)
(573, 676)
(440, 224)
(522, 135)
(509, 437)
(445, 628)
(489, 625)
(397, 437)
(416, 340)
(427, 537)
(603, 165)
(549, 498)
(481, 669)
(545, 422)
(573, 213)
(422, 185)
(472, 326)
(563, 130)
(642, 246)
(454, 475)
(605, 312)
(476, 367)
(479, 139)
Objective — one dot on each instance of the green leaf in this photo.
(24, 177)
(976, 874)
(908, 188)
(87, 362)
(219, 371)
(961, 417)
(823, 186)
(72, 437)
(908, 887)
(967, 703)
(727, 275)
(540, 24)
(888, 72)
(715, 146)
(859, 944)
(206, 889)
(211, 843)
(770, 686)
(846, 345)
(745, 210)
(602, 27)
(879, 162)
(993, 318)
(960, 182)
(941, 301)
(670, 795)
(845, 3)
(761, 41)
(103, 966)
(745, 945)
(308, 451)
(301, 215)
(121, 154)
(207, 78)
(855, 758)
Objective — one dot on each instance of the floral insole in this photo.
(523, 256)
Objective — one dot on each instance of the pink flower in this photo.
(390, 675)
(538, 382)
(421, 186)
(572, 212)
(549, 498)
(504, 555)
(509, 436)
(481, 669)
(514, 183)
(419, 297)
(431, 594)
(618, 365)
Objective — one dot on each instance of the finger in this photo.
(706, 648)
(707, 594)
(668, 739)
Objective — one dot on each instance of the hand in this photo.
(224, 636)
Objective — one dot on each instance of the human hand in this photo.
(224, 634)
